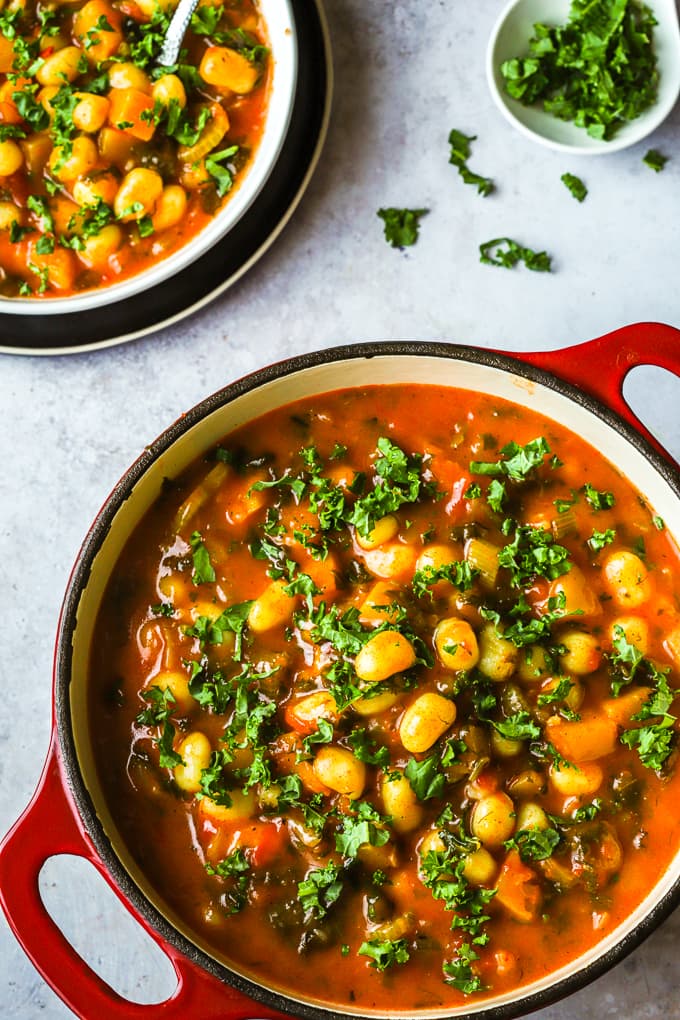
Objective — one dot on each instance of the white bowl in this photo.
(510, 38)
(280, 23)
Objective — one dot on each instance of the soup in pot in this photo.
(383, 691)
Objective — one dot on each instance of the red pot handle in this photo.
(50, 825)
(600, 366)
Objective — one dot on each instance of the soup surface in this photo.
(108, 161)
(383, 697)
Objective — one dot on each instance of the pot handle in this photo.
(49, 826)
(599, 367)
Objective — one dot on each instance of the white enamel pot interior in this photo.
(282, 41)
(195, 434)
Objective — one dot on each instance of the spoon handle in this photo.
(175, 34)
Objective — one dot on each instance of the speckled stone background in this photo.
(406, 73)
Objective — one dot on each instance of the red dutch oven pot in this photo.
(581, 386)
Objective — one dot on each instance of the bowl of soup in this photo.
(118, 171)
(365, 688)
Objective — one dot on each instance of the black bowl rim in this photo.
(524, 1003)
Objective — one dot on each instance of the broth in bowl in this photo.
(110, 163)
(385, 712)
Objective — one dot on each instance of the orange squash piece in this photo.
(125, 114)
(592, 737)
(517, 889)
(90, 23)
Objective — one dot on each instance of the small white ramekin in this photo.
(509, 38)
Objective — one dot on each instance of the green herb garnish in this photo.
(237, 868)
(598, 70)
(599, 539)
(508, 253)
(460, 153)
(319, 890)
(654, 159)
(401, 226)
(384, 953)
(360, 829)
(534, 844)
(518, 462)
(598, 500)
(425, 777)
(575, 186)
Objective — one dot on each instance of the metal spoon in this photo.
(509, 38)
(179, 23)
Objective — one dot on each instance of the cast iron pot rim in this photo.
(79, 579)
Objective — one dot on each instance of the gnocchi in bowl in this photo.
(115, 170)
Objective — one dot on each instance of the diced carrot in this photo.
(125, 113)
(265, 840)
(285, 751)
(298, 518)
(13, 257)
(100, 43)
(517, 889)
(9, 113)
(303, 714)
(132, 10)
(60, 264)
(324, 574)
(621, 709)
(591, 737)
(381, 594)
(6, 54)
